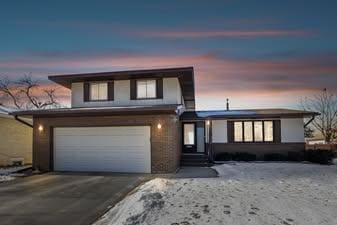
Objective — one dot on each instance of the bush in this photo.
(225, 156)
(320, 156)
(238, 156)
(244, 156)
(275, 157)
(296, 156)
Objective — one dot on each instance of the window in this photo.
(258, 131)
(253, 131)
(248, 131)
(268, 130)
(146, 89)
(189, 134)
(238, 132)
(98, 91)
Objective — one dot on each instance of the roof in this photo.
(245, 114)
(4, 112)
(184, 74)
(100, 111)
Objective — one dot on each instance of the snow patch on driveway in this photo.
(8, 173)
(4, 178)
(245, 193)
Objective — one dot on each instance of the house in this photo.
(145, 121)
(15, 140)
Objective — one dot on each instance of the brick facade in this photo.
(165, 142)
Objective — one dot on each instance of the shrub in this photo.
(275, 157)
(296, 156)
(320, 156)
(224, 156)
(244, 156)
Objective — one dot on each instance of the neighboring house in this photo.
(315, 141)
(145, 121)
(15, 140)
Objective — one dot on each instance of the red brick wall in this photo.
(165, 143)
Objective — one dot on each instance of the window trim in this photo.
(147, 98)
(107, 91)
(253, 130)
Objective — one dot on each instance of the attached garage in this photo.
(102, 149)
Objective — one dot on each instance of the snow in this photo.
(8, 173)
(244, 193)
(4, 178)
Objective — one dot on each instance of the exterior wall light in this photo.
(208, 122)
(159, 126)
(40, 128)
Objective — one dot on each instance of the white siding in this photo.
(219, 131)
(171, 95)
(292, 130)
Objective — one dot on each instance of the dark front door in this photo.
(189, 138)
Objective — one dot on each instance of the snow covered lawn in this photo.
(245, 193)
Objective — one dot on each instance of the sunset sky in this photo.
(260, 54)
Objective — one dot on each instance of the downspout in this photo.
(22, 121)
(307, 123)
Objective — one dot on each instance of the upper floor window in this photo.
(146, 89)
(98, 91)
(253, 131)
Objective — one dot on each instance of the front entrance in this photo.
(194, 137)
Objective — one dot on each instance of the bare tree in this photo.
(27, 93)
(326, 104)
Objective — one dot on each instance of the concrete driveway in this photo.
(53, 198)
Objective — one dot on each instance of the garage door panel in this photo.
(97, 141)
(113, 149)
(93, 131)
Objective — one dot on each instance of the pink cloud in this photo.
(216, 77)
(225, 33)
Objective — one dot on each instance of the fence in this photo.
(328, 147)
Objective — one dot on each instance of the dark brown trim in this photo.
(51, 141)
(159, 88)
(277, 131)
(86, 91)
(230, 131)
(111, 91)
(133, 89)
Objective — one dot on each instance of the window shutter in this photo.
(159, 86)
(230, 131)
(277, 131)
(110, 91)
(86, 91)
(133, 89)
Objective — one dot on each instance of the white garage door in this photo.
(108, 149)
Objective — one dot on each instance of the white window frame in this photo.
(99, 86)
(147, 83)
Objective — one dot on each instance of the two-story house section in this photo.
(145, 121)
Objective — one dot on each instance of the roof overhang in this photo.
(246, 114)
(184, 74)
(100, 111)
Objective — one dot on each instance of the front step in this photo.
(194, 160)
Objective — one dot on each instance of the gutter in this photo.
(22, 121)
